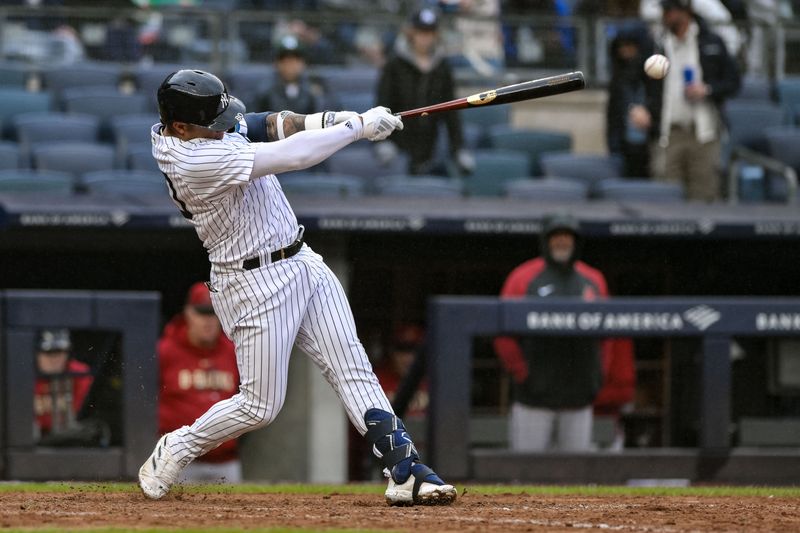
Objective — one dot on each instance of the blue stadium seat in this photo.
(36, 128)
(420, 186)
(315, 184)
(36, 182)
(357, 101)
(547, 190)
(15, 75)
(58, 79)
(757, 88)
(248, 82)
(356, 79)
(136, 182)
(75, 158)
(747, 120)
(588, 168)
(140, 157)
(485, 118)
(641, 190)
(104, 102)
(359, 160)
(788, 90)
(784, 145)
(532, 142)
(149, 78)
(493, 168)
(131, 132)
(17, 101)
(10, 155)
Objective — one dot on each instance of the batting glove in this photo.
(326, 119)
(379, 123)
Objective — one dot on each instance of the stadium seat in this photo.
(788, 90)
(123, 174)
(588, 168)
(125, 182)
(149, 78)
(757, 88)
(17, 101)
(485, 118)
(784, 145)
(10, 155)
(36, 128)
(75, 158)
(747, 121)
(140, 157)
(104, 103)
(311, 184)
(59, 79)
(643, 190)
(248, 82)
(341, 80)
(547, 189)
(492, 169)
(357, 101)
(131, 131)
(15, 75)
(35, 182)
(533, 142)
(419, 186)
(360, 160)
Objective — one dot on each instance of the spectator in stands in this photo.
(62, 384)
(417, 75)
(197, 366)
(292, 88)
(555, 379)
(684, 109)
(394, 368)
(626, 97)
(477, 23)
(619, 386)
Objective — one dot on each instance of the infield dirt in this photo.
(472, 512)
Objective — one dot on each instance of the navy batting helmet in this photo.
(199, 98)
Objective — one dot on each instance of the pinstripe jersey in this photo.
(209, 181)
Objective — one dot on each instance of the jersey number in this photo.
(185, 212)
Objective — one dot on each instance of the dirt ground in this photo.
(472, 512)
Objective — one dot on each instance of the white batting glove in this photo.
(326, 119)
(379, 123)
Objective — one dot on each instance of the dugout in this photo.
(113, 335)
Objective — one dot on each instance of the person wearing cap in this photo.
(683, 111)
(555, 379)
(292, 88)
(418, 74)
(197, 368)
(393, 369)
(62, 383)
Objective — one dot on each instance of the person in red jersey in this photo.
(61, 384)
(619, 386)
(197, 369)
(392, 370)
(556, 379)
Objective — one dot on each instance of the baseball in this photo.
(656, 66)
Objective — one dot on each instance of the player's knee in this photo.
(258, 412)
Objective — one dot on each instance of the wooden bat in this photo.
(527, 90)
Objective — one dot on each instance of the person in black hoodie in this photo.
(626, 96)
(556, 379)
(417, 75)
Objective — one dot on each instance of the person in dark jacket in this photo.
(556, 379)
(626, 90)
(292, 88)
(684, 110)
(417, 75)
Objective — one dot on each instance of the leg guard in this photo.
(390, 443)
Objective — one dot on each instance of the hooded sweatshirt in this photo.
(192, 380)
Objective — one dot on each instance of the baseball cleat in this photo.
(159, 472)
(423, 487)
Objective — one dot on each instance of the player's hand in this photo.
(379, 123)
(333, 118)
(640, 117)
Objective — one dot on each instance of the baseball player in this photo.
(268, 288)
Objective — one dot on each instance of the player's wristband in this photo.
(321, 120)
(279, 123)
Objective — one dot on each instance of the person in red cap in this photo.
(197, 369)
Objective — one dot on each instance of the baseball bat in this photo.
(518, 92)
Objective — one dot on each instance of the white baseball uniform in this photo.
(239, 216)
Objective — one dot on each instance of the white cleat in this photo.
(159, 472)
(416, 491)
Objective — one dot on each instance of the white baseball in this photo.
(656, 66)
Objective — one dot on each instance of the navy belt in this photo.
(277, 255)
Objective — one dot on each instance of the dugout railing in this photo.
(454, 322)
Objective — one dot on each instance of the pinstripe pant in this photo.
(265, 311)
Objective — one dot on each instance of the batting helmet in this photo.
(199, 98)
